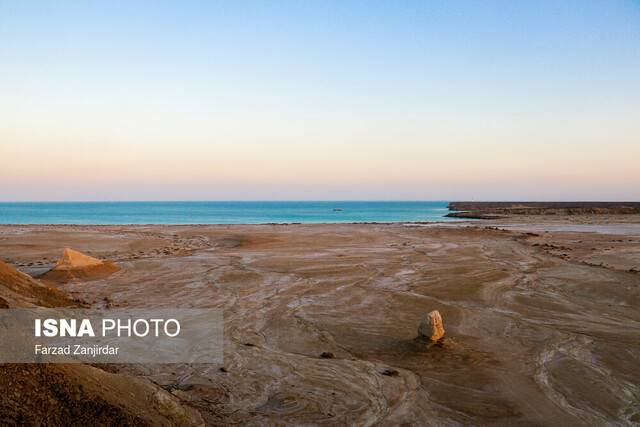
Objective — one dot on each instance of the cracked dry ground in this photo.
(541, 329)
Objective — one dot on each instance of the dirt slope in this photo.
(75, 394)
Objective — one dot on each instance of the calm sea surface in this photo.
(219, 212)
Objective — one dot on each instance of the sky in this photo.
(319, 100)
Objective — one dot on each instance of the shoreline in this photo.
(234, 223)
(506, 220)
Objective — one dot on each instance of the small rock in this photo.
(390, 372)
(327, 355)
(431, 326)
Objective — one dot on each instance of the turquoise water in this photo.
(219, 212)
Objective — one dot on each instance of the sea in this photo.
(221, 212)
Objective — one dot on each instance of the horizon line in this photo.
(327, 201)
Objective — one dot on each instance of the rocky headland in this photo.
(496, 210)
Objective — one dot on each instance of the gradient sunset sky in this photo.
(374, 100)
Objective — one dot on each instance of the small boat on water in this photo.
(337, 209)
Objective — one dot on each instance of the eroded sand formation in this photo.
(542, 328)
(18, 289)
(75, 265)
(76, 394)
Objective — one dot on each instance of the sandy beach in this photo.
(542, 320)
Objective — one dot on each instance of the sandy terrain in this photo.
(542, 322)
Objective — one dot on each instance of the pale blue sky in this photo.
(320, 100)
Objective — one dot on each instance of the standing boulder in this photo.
(431, 326)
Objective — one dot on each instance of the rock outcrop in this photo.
(431, 326)
(76, 265)
(495, 210)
